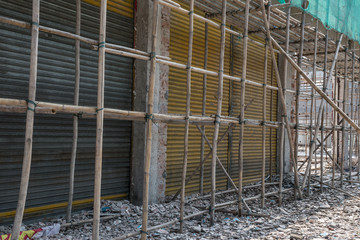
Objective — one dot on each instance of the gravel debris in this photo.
(327, 215)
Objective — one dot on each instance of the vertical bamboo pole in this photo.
(280, 92)
(345, 96)
(218, 112)
(99, 121)
(149, 123)
(231, 110)
(298, 83)
(351, 110)
(322, 114)
(204, 108)
(263, 165)
(282, 128)
(25, 174)
(242, 105)
(188, 106)
(75, 118)
(313, 103)
(335, 133)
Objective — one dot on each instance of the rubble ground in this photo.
(327, 215)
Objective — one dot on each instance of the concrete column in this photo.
(143, 26)
(288, 83)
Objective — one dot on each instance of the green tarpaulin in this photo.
(341, 15)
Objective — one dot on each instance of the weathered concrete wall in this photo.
(140, 91)
(288, 83)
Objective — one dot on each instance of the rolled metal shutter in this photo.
(49, 179)
(177, 105)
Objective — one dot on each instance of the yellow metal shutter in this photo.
(177, 105)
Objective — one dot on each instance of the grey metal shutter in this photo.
(53, 134)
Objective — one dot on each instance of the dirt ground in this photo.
(328, 215)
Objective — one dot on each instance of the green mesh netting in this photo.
(341, 15)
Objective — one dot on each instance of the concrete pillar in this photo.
(143, 26)
(288, 83)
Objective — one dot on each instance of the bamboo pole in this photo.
(188, 108)
(18, 106)
(283, 104)
(322, 114)
(149, 123)
(335, 134)
(75, 117)
(298, 82)
(313, 102)
(31, 105)
(242, 106)
(282, 129)
(263, 164)
(204, 107)
(351, 109)
(218, 113)
(231, 108)
(345, 96)
(99, 121)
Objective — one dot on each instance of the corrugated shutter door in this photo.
(254, 104)
(53, 134)
(177, 104)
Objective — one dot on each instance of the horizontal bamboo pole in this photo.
(20, 106)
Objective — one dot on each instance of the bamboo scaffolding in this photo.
(242, 106)
(283, 104)
(221, 166)
(218, 113)
(149, 123)
(75, 117)
(99, 121)
(169, 4)
(188, 107)
(317, 89)
(133, 53)
(201, 190)
(31, 105)
(263, 128)
(12, 105)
